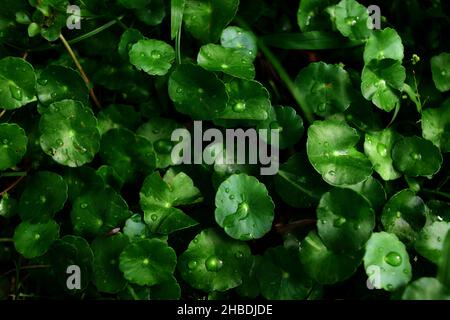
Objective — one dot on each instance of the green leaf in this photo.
(378, 148)
(176, 14)
(288, 123)
(322, 264)
(404, 215)
(158, 198)
(248, 102)
(17, 83)
(387, 262)
(230, 61)
(214, 262)
(107, 276)
(436, 126)
(426, 289)
(98, 211)
(444, 263)
(127, 40)
(430, 241)
(238, 38)
(324, 88)
(197, 92)
(8, 206)
(440, 68)
(167, 290)
(309, 40)
(56, 83)
(33, 239)
(311, 15)
(298, 184)
(148, 262)
(205, 19)
(381, 82)
(416, 156)
(69, 133)
(128, 154)
(118, 116)
(159, 131)
(383, 44)
(372, 190)
(352, 20)
(345, 220)
(281, 277)
(44, 195)
(244, 208)
(153, 14)
(13, 145)
(331, 151)
(154, 57)
(81, 180)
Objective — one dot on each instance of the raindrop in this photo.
(16, 93)
(154, 217)
(231, 197)
(227, 190)
(213, 264)
(239, 255)
(192, 264)
(43, 82)
(331, 173)
(417, 156)
(393, 259)
(239, 107)
(156, 54)
(339, 222)
(37, 236)
(382, 150)
(83, 205)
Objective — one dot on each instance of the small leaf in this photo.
(383, 44)
(214, 262)
(351, 19)
(244, 208)
(33, 239)
(416, 156)
(430, 241)
(154, 57)
(238, 38)
(440, 68)
(69, 133)
(148, 262)
(127, 40)
(387, 262)
(13, 145)
(231, 61)
(331, 151)
(436, 126)
(404, 215)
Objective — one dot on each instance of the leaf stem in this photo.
(15, 183)
(413, 96)
(282, 73)
(14, 174)
(6, 240)
(80, 68)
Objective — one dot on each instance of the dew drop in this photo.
(231, 197)
(145, 261)
(179, 90)
(339, 222)
(239, 107)
(59, 142)
(382, 150)
(16, 93)
(227, 190)
(37, 236)
(83, 205)
(156, 54)
(192, 264)
(331, 173)
(43, 82)
(417, 156)
(154, 217)
(393, 259)
(238, 255)
(213, 264)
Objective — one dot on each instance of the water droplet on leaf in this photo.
(213, 264)
(382, 150)
(393, 259)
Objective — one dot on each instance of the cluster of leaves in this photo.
(361, 199)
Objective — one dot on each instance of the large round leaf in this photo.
(404, 215)
(13, 145)
(436, 126)
(197, 92)
(331, 151)
(440, 68)
(383, 44)
(148, 262)
(17, 83)
(324, 88)
(154, 57)
(416, 156)
(378, 148)
(33, 239)
(430, 241)
(56, 83)
(214, 262)
(381, 82)
(69, 133)
(387, 262)
(44, 195)
(128, 154)
(345, 220)
(107, 276)
(352, 19)
(244, 208)
(281, 277)
(231, 61)
(322, 264)
(298, 184)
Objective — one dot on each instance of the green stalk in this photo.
(413, 96)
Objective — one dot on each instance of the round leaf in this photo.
(33, 239)
(154, 57)
(383, 44)
(214, 262)
(387, 262)
(17, 83)
(13, 145)
(372, 190)
(436, 126)
(430, 241)
(352, 19)
(127, 40)
(416, 156)
(440, 68)
(331, 151)
(148, 262)
(238, 38)
(244, 208)
(69, 133)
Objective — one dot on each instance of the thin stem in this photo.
(178, 45)
(284, 76)
(413, 96)
(15, 183)
(2, 113)
(6, 240)
(439, 193)
(80, 68)
(14, 174)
